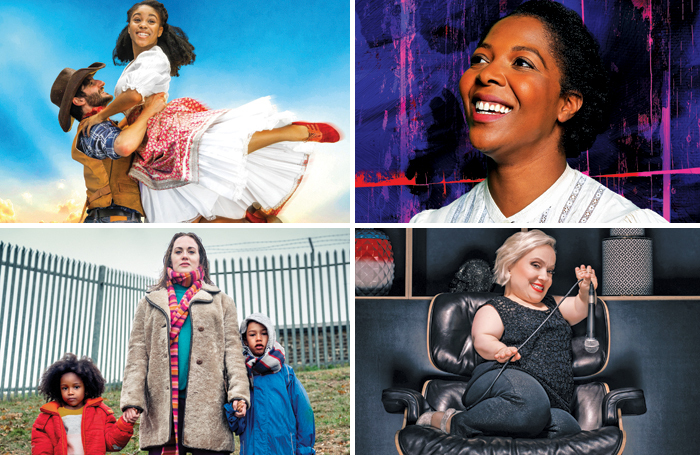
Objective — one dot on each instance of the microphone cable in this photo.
(505, 364)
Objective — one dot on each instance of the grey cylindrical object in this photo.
(627, 264)
(627, 232)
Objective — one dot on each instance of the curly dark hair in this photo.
(87, 371)
(173, 41)
(577, 53)
(167, 261)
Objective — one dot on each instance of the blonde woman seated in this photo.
(532, 397)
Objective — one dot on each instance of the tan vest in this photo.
(107, 181)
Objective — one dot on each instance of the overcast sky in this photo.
(298, 53)
(140, 250)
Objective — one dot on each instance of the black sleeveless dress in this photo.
(547, 356)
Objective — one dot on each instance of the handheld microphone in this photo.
(591, 344)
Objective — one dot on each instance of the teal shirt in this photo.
(184, 342)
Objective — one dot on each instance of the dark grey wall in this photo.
(676, 253)
(390, 351)
(653, 346)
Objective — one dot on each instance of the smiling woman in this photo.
(532, 398)
(535, 94)
(197, 164)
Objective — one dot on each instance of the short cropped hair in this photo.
(578, 56)
(515, 247)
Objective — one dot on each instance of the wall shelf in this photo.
(426, 259)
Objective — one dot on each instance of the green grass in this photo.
(328, 389)
(329, 393)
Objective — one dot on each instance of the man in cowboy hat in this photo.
(107, 153)
(112, 196)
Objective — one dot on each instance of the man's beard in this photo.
(98, 99)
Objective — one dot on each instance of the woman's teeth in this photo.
(491, 108)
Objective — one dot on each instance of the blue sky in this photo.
(299, 53)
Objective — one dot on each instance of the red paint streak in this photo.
(383, 181)
(645, 5)
(692, 170)
(409, 128)
(362, 182)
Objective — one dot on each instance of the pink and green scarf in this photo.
(178, 314)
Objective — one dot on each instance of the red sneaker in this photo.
(321, 132)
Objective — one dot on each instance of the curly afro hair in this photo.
(50, 385)
(578, 55)
(174, 42)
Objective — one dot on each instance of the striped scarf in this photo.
(270, 362)
(178, 315)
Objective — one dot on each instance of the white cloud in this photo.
(7, 212)
(69, 211)
(41, 201)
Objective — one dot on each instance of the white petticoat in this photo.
(230, 179)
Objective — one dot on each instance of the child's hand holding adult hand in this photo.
(131, 415)
(240, 407)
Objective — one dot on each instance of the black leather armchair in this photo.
(450, 349)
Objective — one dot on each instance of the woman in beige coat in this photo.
(185, 339)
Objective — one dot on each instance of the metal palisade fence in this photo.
(50, 305)
(306, 297)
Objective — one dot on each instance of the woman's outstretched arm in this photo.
(130, 138)
(575, 309)
(126, 100)
(238, 386)
(134, 384)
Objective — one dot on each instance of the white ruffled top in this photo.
(574, 198)
(148, 73)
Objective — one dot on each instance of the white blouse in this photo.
(574, 198)
(148, 73)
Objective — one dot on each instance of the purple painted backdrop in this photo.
(412, 148)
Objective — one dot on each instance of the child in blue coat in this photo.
(280, 419)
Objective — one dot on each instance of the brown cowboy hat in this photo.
(64, 88)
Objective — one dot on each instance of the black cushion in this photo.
(450, 345)
(416, 439)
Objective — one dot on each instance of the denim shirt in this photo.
(100, 144)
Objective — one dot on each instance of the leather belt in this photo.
(114, 215)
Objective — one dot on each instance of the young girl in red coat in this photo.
(75, 420)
